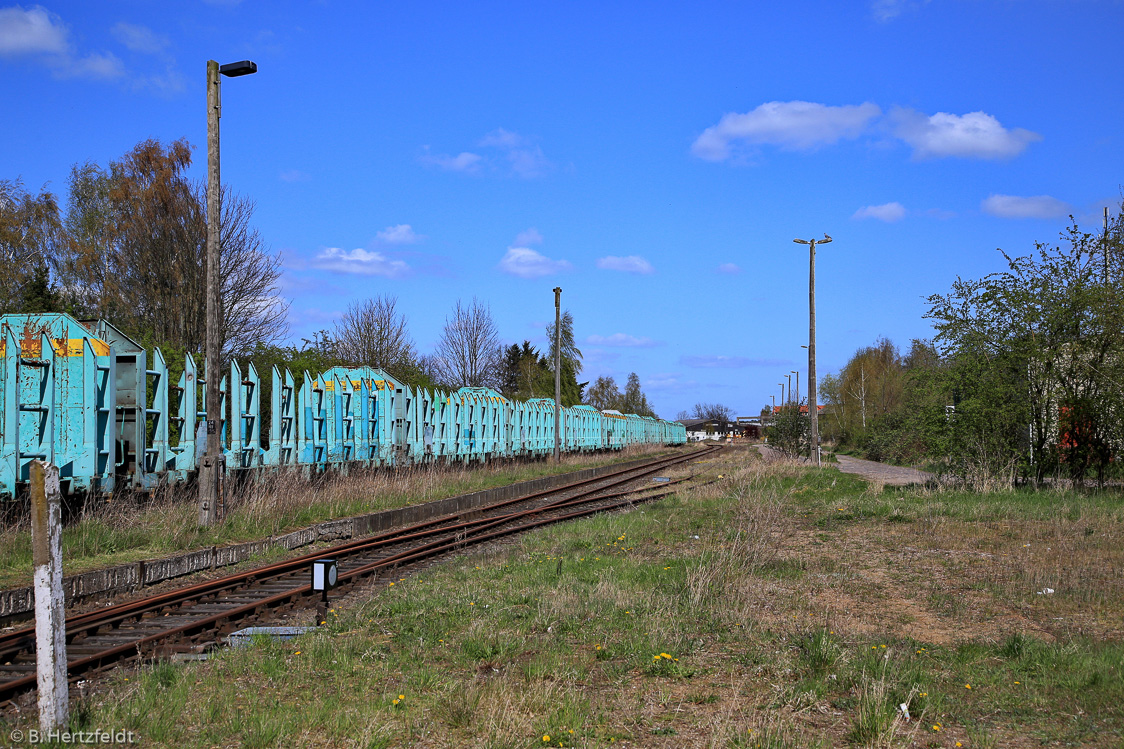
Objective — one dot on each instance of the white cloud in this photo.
(621, 339)
(976, 135)
(729, 268)
(526, 263)
(524, 158)
(361, 262)
(1014, 206)
(793, 125)
(531, 236)
(38, 33)
(462, 162)
(94, 65)
(887, 10)
(730, 362)
(667, 381)
(400, 234)
(30, 32)
(293, 175)
(888, 212)
(140, 38)
(500, 138)
(630, 264)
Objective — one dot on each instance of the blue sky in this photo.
(655, 160)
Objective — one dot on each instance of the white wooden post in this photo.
(50, 611)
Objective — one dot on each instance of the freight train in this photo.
(84, 396)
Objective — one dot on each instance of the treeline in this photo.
(1023, 380)
(129, 245)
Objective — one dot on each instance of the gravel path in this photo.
(887, 474)
(868, 469)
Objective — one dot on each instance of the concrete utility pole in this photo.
(813, 409)
(557, 374)
(210, 468)
(797, 373)
(1106, 245)
(50, 609)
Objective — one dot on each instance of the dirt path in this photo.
(886, 474)
(868, 469)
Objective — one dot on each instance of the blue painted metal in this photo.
(82, 395)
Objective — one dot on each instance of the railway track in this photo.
(193, 618)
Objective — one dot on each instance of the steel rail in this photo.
(18, 640)
(464, 533)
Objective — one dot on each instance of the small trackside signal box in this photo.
(325, 574)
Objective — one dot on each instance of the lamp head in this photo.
(235, 69)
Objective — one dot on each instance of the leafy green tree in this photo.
(1036, 357)
(790, 433)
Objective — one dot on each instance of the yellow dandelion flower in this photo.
(1016, 682)
(967, 686)
(546, 737)
(936, 728)
(395, 701)
(391, 585)
(297, 653)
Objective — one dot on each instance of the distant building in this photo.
(803, 410)
(720, 429)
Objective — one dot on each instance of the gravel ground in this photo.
(868, 469)
(887, 474)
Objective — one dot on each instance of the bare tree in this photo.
(634, 401)
(253, 310)
(30, 230)
(713, 411)
(136, 253)
(469, 353)
(373, 332)
(604, 394)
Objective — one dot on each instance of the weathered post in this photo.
(209, 469)
(813, 409)
(50, 612)
(558, 374)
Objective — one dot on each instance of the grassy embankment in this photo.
(128, 530)
(782, 607)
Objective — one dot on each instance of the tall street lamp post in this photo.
(788, 379)
(797, 373)
(210, 468)
(557, 374)
(813, 409)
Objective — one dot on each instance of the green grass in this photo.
(628, 628)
